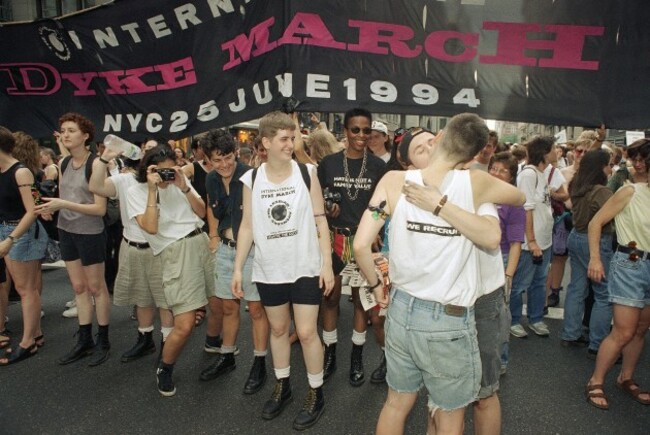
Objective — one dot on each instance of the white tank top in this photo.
(632, 223)
(430, 259)
(284, 228)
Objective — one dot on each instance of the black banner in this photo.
(171, 68)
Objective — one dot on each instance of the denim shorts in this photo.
(28, 247)
(629, 281)
(225, 260)
(493, 329)
(427, 347)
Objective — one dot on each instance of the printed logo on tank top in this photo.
(279, 211)
(427, 228)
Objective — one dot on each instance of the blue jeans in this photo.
(574, 304)
(531, 277)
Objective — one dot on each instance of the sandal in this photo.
(22, 354)
(632, 388)
(199, 316)
(39, 341)
(590, 392)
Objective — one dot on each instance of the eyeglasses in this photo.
(356, 130)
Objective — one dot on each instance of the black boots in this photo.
(356, 366)
(224, 363)
(279, 399)
(101, 352)
(164, 379)
(257, 376)
(379, 375)
(311, 410)
(329, 365)
(84, 347)
(144, 346)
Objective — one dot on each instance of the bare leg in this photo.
(145, 316)
(215, 319)
(280, 320)
(330, 306)
(446, 422)
(306, 319)
(393, 415)
(97, 287)
(230, 321)
(183, 326)
(25, 278)
(487, 416)
(260, 327)
(632, 351)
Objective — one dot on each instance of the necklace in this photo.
(348, 178)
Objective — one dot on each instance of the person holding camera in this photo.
(139, 275)
(350, 175)
(170, 213)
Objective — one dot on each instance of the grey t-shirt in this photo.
(74, 188)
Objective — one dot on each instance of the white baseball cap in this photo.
(379, 126)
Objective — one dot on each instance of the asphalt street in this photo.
(542, 392)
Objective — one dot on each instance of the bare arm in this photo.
(318, 205)
(149, 220)
(213, 225)
(244, 243)
(100, 183)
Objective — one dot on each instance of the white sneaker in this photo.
(70, 304)
(70, 312)
(539, 328)
(518, 331)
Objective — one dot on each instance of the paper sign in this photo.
(368, 300)
(560, 137)
(633, 136)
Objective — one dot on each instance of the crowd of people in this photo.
(437, 237)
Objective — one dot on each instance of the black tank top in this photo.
(199, 181)
(11, 203)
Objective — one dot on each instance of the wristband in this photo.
(371, 288)
(101, 159)
(441, 204)
(186, 191)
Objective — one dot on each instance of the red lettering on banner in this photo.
(25, 78)
(566, 48)
(82, 82)
(127, 82)
(434, 45)
(370, 36)
(240, 48)
(309, 29)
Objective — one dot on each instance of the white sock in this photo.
(330, 337)
(146, 329)
(228, 349)
(166, 330)
(282, 373)
(358, 338)
(316, 380)
(260, 352)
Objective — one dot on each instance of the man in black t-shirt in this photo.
(352, 176)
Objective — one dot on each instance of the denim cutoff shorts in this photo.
(28, 247)
(629, 281)
(225, 265)
(427, 347)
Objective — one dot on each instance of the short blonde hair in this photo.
(274, 121)
(322, 143)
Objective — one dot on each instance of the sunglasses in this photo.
(356, 130)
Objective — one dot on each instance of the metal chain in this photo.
(348, 178)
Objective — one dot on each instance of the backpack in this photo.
(303, 171)
(112, 215)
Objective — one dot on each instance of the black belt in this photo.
(196, 232)
(229, 242)
(136, 244)
(640, 255)
(346, 232)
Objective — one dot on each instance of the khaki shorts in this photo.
(188, 274)
(139, 278)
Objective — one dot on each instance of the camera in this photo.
(166, 174)
(331, 198)
(290, 105)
